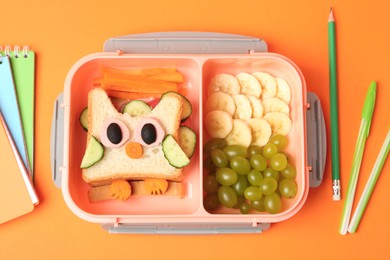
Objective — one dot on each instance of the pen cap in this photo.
(369, 103)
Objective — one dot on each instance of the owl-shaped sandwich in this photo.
(121, 146)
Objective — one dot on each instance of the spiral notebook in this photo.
(17, 89)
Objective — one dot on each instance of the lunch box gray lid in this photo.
(185, 42)
(196, 43)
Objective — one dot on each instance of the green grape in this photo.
(288, 188)
(278, 162)
(252, 193)
(269, 172)
(268, 185)
(240, 165)
(289, 172)
(216, 143)
(240, 185)
(235, 150)
(280, 141)
(208, 164)
(219, 158)
(254, 149)
(269, 150)
(272, 203)
(240, 200)
(227, 196)
(226, 176)
(254, 177)
(258, 205)
(210, 183)
(211, 201)
(245, 208)
(258, 162)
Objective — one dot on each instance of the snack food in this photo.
(247, 168)
(236, 116)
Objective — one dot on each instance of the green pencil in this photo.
(334, 121)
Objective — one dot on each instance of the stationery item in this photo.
(334, 121)
(364, 130)
(23, 69)
(17, 195)
(9, 107)
(370, 185)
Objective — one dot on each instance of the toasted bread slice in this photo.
(115, 163)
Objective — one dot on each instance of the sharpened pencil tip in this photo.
(331, 16)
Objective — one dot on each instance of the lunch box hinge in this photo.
(316, 140)
(57, 141)
(187, 228)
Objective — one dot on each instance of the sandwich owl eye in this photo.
(114, 133)
(149, 132)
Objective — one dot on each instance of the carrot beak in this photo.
(134, 150)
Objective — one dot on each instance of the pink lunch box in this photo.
(198, 56)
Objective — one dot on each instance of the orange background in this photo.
(61, 32)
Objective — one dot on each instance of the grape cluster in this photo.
(253, 178)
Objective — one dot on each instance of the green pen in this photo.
(370, 184)
(364, 130)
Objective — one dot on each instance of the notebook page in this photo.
(23, 69)
(10, 109)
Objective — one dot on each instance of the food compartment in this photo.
(240, 72)
(80, 80)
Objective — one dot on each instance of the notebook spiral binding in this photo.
(17, 51)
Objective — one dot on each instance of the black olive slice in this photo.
(114, 133)
(149, 133)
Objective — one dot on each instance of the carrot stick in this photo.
(170, 76)
(138, 72)
(139, 84)
(97, 81)
(131, 95)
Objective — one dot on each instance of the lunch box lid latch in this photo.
(316, 140)
(57, 140)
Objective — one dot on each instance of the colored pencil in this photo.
(334, 124)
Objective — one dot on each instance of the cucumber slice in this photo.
(173, 152)
(84, 118)
(93, 153)
(187, 107)
(187, 140)
(137, 108)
